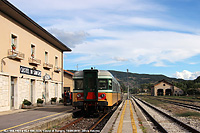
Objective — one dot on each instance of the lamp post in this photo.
(127, 84)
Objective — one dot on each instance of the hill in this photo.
(136, 80)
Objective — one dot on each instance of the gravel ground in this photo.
(166, 123)
(173, 110)
(81, 126)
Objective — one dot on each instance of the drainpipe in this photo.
(62, 74)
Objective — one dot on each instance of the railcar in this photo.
(95, 90)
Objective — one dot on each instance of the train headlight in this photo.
(103, 95)
(78, 95)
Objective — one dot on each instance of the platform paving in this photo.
(18, 119)
(125, 123)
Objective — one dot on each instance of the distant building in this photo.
(68, 81)
(31, 60)
(163, 88)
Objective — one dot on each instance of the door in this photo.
(32, 90)
(12, 93)
(90, 85)
(46, 92)
(56, 90)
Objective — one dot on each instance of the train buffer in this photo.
(127, 121)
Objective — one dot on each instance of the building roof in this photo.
(164, 82)
(14, 13)
(100, 73)
(68, 72)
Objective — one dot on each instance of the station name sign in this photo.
(30, 71)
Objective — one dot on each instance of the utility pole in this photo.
(127, 84)
(77, 67)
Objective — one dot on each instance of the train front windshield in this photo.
(78, 84)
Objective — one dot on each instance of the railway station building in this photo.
(68, 81)
(31, 60)
(163, 88)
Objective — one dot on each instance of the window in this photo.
(78, 84)
(103, 84)
(13, 42)
(46, 57)
(56, 61)
(110, 84)
(32, 51)
(91, 83)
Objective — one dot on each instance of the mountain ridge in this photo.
(135, 80)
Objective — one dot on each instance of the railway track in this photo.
(190, 106)
(163, 122)
(186, 105)
(186, 100)
(88, 124)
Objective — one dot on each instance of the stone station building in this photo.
(31, 60)
(163, 88)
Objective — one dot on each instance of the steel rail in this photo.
(159, 127)
(71, 123)
(194, 107)
(101, 119)
(187, 127)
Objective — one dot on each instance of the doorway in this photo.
(160, 92)
(13, 92)
(46, 92)
(32, 90)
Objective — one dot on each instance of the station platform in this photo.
(33, 118)
(127, 121)
(124, 120)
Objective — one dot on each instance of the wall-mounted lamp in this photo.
(3, 62)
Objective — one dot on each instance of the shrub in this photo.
(39, 100)
(61, 100)
(53, 99)
(26, 102)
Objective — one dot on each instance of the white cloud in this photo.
(141, 47)
(69, 38)
(117, 32)
(120, 59)
(187, 75)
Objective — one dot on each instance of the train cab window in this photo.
(103, 83)
(78, 84)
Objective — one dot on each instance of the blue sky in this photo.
(144, 36)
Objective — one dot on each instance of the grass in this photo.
(188, 114)
(141, 126)
(191, 97)
(152, 101)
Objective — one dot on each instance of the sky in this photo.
(143, 36)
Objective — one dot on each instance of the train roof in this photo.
(101, 74)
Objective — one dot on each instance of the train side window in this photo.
(110, 84)
(103, 83)
(78, 84)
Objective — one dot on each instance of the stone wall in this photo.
(4, 92)
(40, 89)
(23, 91)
